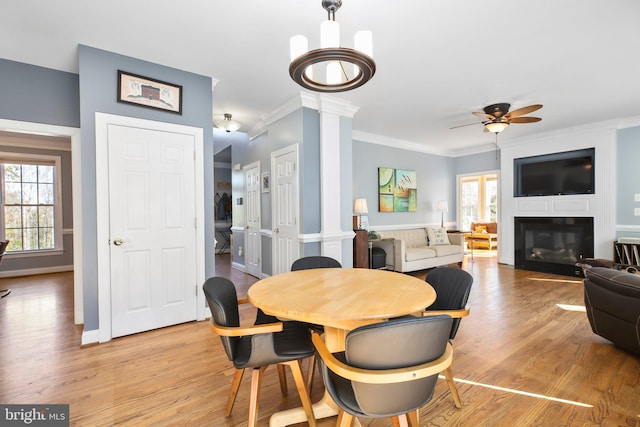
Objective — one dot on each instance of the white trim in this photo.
(319, 237)
(33, 271)
(40, 142)
(628, 227)
(238, 266)
(102, 122)
(45, 160)
(76, 183)
(36, 128)
(90, 337)
(318, 102)
(74, 133)
(30, 254)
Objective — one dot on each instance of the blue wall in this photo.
(436, 181)
(39, 95)
(98, 89)
(628, 182)
(476, 163)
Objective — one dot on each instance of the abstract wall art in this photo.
(397, 190)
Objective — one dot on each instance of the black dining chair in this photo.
(258, 346)
(387, 369)
(308, 263)
(315, 261)
(452, 286)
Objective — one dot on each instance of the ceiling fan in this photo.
(498, 116)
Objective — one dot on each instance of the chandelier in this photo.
(339, 68)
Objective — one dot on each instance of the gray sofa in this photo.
(414, 251)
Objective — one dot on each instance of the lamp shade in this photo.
(442, 206)
(496, 127)
(360, 206)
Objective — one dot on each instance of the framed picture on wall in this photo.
(265, 183)
(148, 92)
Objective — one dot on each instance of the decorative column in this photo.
(334, 186)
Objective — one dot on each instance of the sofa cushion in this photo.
(444, 250)
(437, 236)
(413, 254)
(415, 238)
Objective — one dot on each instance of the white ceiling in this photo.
(437, 60)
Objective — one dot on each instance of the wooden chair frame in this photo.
(456, 314)
(382, 376)
(256, 375)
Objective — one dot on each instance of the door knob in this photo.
(276, 230)
(118, 241)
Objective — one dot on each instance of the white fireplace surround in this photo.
(601, 205)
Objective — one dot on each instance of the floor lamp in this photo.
(442, 207)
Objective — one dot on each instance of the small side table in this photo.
(464, 238)
(385, 239)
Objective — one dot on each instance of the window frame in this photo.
(482, 205)
(36, 159)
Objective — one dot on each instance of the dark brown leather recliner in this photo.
(612, 299)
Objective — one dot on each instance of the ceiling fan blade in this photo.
(524, 110)
(468, 124)
(524, 119)
(483, 115)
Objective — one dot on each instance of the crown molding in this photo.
(304, 99)
(396, 143)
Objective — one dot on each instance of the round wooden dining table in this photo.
(340, 299)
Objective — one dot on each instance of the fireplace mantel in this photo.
(600, 205)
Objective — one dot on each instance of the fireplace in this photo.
(552, 244)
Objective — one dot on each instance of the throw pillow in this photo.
(480, 229)
(437, 236)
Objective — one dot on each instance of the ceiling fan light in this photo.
(496, 127)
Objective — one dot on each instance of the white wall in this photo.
(601, 205)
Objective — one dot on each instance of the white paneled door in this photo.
(152, 214)
(252, 215)
(285, 212)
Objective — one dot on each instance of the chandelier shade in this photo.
(337, 69)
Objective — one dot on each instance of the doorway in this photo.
(477, 199)
(285, 208)
(150, 217)
(252, 242)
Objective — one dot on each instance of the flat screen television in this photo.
(569, 172)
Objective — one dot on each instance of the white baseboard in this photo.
(32, 271)
(90, 337)
(238, 266)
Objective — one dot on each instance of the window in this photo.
(478, 199)
(31, 212)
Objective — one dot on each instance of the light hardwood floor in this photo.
(522, 358)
